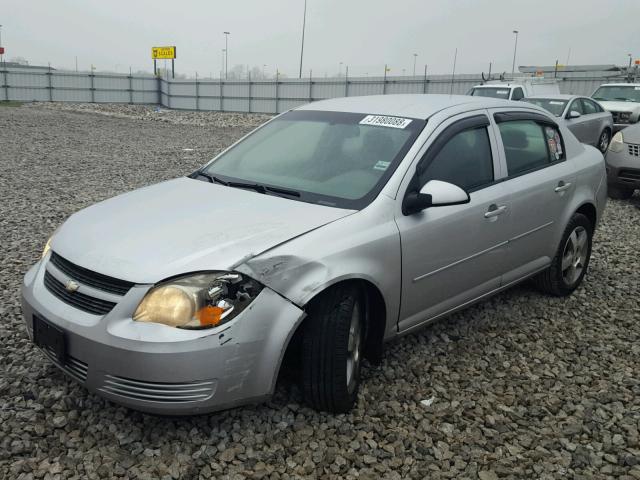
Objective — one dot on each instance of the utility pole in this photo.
(76, 64)
(304, 21)
(226, 54)
(415, 57)
(1, 56)
(515, 49)
(453, 74)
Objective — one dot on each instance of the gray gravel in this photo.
(520, 386)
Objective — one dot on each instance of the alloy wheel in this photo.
(574, 256)
(604, 141)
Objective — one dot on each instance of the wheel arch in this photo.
(376, 319)
(589, 210)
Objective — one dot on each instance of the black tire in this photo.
(325, 349)
(603, 141)
(557, 281)
(617, 192)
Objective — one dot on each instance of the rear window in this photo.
(493, 92)
(556, 107)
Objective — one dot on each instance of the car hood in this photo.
(631, 134)
(182, 226)
(620, 106)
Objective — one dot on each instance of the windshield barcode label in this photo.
(384, 121)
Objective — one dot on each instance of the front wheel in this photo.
(603, 141)
(333, 340)
(570, 263)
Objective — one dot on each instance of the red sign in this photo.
(1, 50)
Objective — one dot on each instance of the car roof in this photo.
(420, 106)
(558, 96)
(620, 85)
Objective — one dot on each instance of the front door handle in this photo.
(562, 186)
(495, 210)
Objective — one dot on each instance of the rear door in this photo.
(454, 254)
(541, 182)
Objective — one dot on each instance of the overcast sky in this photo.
(364, 34)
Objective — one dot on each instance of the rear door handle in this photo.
(562, 186)
(495, 210)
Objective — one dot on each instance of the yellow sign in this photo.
(163, 53)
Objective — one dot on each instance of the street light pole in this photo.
(340, 69)
(515, 49)
(226, 55)
(222, 61)
(630, 60)
(415, 57)
(263, 74)
(304, 22)
(1, 56)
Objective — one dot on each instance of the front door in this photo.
(454, 254)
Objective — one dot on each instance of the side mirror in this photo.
(435, 193)
(574, 114)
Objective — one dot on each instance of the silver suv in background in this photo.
(324, 233)
(622, 100)
(623, 162)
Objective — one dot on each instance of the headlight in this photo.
(617, 143)
(624, 116)
(47, 247)
(199, 301)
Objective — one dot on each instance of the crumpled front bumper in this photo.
(159, 369)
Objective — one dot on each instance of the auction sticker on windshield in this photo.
(385, 121)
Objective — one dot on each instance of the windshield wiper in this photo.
(263, 188)
(623, 99)
(598, 98)
(212, 179)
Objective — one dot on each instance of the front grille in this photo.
(79, 300)
(629, 175)
(634, 150)
(90, 278)
(618, 119)
(158, 392)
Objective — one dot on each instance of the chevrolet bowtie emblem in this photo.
(71, 286)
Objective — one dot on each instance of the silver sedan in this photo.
(587, 120)
(328, 231)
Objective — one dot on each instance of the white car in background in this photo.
(516, 89)
(622, 100)
(587, 120)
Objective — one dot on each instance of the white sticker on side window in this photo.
(385, 121)
(636, 88)
(555, 103)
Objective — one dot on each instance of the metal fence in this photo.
(263, 96)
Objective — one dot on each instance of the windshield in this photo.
(621, 93)
(494, 92)
(554, 106)
(333, 158)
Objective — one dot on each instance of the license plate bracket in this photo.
(49, 338)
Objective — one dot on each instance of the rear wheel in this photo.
(603, 141)
(333, 341)
(570, 263)
(619, 193)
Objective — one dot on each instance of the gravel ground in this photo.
(520, 386)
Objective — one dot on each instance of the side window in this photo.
(576, 106)
(465, 160)
(518, 94)
(588, 107)
(529, 145)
